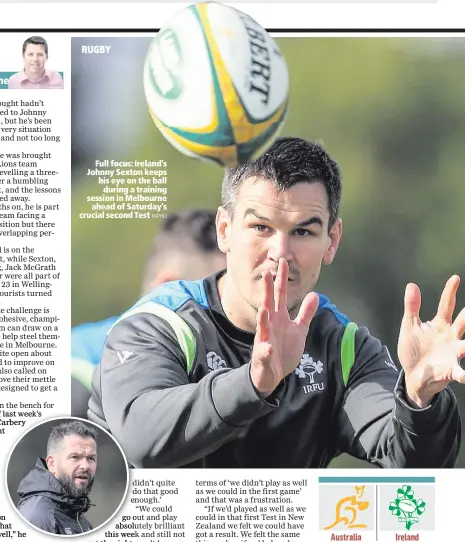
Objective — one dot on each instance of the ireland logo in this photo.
(308, 368)
(407, 509)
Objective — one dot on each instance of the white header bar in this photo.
(443, 14)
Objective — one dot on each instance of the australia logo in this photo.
(307, 369)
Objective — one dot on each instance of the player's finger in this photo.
(458, 327)
(461, 349)
(458, 374)
(307, 309)
(448, 297)
(268, 296)
(412, 303)
(280, 285)
(263, 327)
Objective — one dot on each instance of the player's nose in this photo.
(279, 247)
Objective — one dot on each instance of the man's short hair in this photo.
(61, 431)
(182, 233)
(290, 160)
(36, 40)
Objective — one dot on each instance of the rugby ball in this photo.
(216, 84)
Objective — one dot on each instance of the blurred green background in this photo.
(391, 111)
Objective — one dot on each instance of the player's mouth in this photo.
(290, 278)
(293, 277)
(82, 478)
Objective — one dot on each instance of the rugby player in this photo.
(251, 367)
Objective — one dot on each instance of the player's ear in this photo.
(51, 464)
(223, 229)
(334, 238)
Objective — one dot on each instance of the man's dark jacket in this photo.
(44, 503)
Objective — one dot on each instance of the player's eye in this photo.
(302, 232)
(261, 228)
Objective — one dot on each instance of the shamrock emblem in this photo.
(214, 361)
(308, 367)
(406, 507)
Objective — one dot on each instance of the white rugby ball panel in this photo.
(255, 64)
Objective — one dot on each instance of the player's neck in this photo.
(235, 307)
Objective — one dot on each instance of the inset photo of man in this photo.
(67, 477)
(34, 74)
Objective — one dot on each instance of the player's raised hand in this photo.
(430, 352)
(279, 340)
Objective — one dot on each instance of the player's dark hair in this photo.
(290, 160)
(196, 225)
(185, 233)
(74, 427)
(36, 40)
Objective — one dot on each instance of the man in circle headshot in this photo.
(34, 75)
(54, 495)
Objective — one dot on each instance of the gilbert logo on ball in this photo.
(216, 84)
